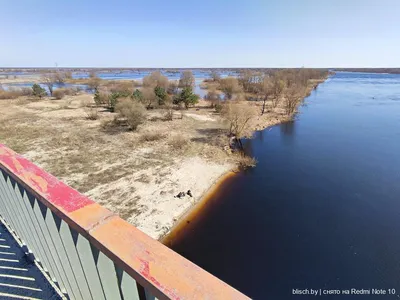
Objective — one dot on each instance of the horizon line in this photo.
(174, 68)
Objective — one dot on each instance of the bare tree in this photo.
(92, 74)
(267, 91)
(59, 77)
(68, 75)
(49, 80)
(251, 81)
(187, 79)
(238, 115)
(278, 87)
(230, 86)
(215, 75)
(94, 83)
(149, 97)
(156, 79)
(213, 97)
(293, 95)
(173, 86)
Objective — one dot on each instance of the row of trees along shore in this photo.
(155, 91)
(286, 87)
(229, 96)
(282, 88)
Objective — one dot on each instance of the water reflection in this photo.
(288, 128)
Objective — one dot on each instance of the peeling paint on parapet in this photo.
(48, 186)
(161, 271)
(145, 271)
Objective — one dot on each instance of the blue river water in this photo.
(122, 75)
(321, 210)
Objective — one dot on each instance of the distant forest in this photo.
(178, 70)
(370, 70)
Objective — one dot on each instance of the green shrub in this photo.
(187, 97)
(121, 94)
(112, 101)
(38, 91)
(161, 95)
(96, 97)
(218, 107)
(100, 98)
(138, 95)
(133, 112)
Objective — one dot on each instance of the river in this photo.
(321, 210)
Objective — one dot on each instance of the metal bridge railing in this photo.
(89, 252)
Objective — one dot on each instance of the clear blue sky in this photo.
(207, 33)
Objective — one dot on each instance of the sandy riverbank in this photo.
(189, 216)
(135, 174)
(269, 119)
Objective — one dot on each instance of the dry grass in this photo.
(14, 93)
(144, 178)
(168, 115)
(62, 92)
(66, 103)
(245, 162)
(92, 113)
(130, 172)
(130, 208)
(19, 136)
(149, 136)
(91, 110)
(59, 94)
(178, 142)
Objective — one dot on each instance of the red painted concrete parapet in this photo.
(166, 274)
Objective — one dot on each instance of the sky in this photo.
(207, 33)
